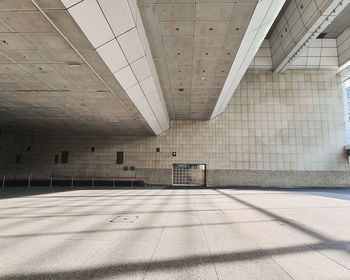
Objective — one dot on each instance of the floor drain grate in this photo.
(124, 219)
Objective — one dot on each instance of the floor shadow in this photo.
(119, 269)
(270, 214)
(39, 234)
(16, 192)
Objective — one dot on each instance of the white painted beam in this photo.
(263, 17)
(299, 26)
(116, 31)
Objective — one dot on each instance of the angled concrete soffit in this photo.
(299, 26)
(343, 45)
(263, 17)
(115, 29)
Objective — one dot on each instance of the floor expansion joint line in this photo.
(206, 240)
(155, 248)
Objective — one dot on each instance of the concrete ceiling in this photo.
(53, 81)
(338, 25)
(193, 44)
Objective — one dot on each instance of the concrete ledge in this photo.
(257, 178)
(273, 178)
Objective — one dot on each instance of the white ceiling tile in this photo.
(141, 68)
(273, 11)
(133, 7)
(135, 92)
(148, 85)
(143, 106)
(92, 22)
(258, 16)
(69, 3)
(131, 45)
(146, 111)
(149, 89)
(118, 14)
(113, 56)
(126, 77)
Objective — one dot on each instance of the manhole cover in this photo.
(124, 219)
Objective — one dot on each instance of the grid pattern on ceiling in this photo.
(301, 23)
(264, 15)
(46, 86)
(115, 30)
(320, 54)
(193, 47)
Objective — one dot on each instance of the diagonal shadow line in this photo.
(180, 196)
(82, 214)
(16, 222)
(127, 229)
(155, 204)
(61, 247)
(77, 214)
(268, 213)
(117, 269)
(23, 222)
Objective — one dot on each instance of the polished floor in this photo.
(174, 234)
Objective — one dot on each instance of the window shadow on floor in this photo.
(166, 265)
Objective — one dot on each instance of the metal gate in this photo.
(189, 174)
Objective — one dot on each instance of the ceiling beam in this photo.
(263, 17)
(343, 45)
(116, 31)
(300, 24)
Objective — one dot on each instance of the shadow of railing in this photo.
(118, 269)
(127, 268)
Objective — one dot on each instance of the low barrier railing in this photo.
(30, 181)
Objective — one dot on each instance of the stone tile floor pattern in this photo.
(174, 234)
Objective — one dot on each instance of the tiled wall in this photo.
(301, 20)
(263, 58)
(320, 54)
(283, 122)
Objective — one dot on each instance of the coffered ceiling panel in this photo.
(193, 45)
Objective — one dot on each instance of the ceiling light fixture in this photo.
(202, 78)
